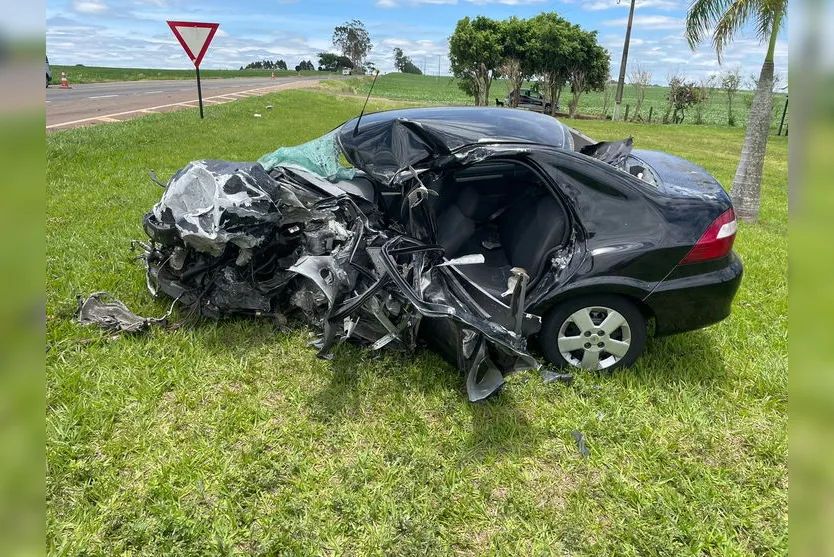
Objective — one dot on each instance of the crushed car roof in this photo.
(384, 143)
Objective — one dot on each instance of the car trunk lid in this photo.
(677, 176)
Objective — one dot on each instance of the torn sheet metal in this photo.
(614, 153)
(106, 311)
(298, 234)
(214, 203)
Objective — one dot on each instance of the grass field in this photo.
(230, 438)
(92, 74)
(444, 90)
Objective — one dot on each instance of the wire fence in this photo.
(716, 110)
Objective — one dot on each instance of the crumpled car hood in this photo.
(231, 238)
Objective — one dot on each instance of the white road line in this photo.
(251, 92)
(149, 92)
(103, 97)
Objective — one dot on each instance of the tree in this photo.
(702, 93)
(589, 67)
(331, 62)
(353, 40)
(640, 78)
(305, 65)
(724, 18)
(280, 65)
(400, 59)
(516, 63)
(475, 50)
(550, 51)
(730, 82)
(403, 63)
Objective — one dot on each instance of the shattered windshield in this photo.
(320, 156)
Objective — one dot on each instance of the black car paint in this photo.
(632, 235)
(336, 248)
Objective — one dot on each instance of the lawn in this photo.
(94, 74)
(445, 90)
(233, 438)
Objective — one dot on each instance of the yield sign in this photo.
(194, 37)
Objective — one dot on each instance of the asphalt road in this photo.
(95, 103)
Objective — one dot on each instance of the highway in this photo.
(97, 103)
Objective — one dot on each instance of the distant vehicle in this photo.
(48, 72)
(530, 100)
(346, 71)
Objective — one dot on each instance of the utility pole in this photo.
(438, 66)
(618, 98)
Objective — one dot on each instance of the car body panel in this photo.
(360, 252)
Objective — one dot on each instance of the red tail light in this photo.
(716, 242)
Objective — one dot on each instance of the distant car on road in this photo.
(48, 72)
(346, 71)
(530, 100)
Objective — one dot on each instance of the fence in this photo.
(715, 110)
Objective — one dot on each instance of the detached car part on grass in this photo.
(470, 229)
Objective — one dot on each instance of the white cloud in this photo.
(597, 5)
(89, 6)
(386, 4)
(506, 2)
(648, 22)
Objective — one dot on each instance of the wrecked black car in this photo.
(472, 230)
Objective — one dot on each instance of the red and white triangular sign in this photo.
(194, 37)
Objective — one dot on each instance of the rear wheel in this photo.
(594, 332)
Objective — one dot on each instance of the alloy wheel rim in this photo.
(594, 337)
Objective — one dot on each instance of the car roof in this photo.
(456, 126)
(389, 141)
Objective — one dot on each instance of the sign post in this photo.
(194, 38)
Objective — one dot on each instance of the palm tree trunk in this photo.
(747, 184)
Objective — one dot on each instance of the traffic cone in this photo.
(64, 83)
(273, 75)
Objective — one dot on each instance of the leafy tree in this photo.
(475, 52)
(409, 67)
(354, 41)
(330, 62)
(550, 53)
(724, 19)
(681, 96)
(400, 59)
(589, 66)
(280, 65)
(305, 65)
(516, 63)
(403, 63)
(703, 91)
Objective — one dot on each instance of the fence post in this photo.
(626, 114)
(784, 112)
(651, 108)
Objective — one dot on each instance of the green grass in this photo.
(444, 90)
(93, 74)
(231, 438)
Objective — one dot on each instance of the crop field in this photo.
(444, 90)
(92, 74)
(231, 437)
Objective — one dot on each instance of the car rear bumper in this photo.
(685, 303)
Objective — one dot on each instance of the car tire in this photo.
(570, 335)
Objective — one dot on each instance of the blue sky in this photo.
(133, 33)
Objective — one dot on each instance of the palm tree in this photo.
(725, 18)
